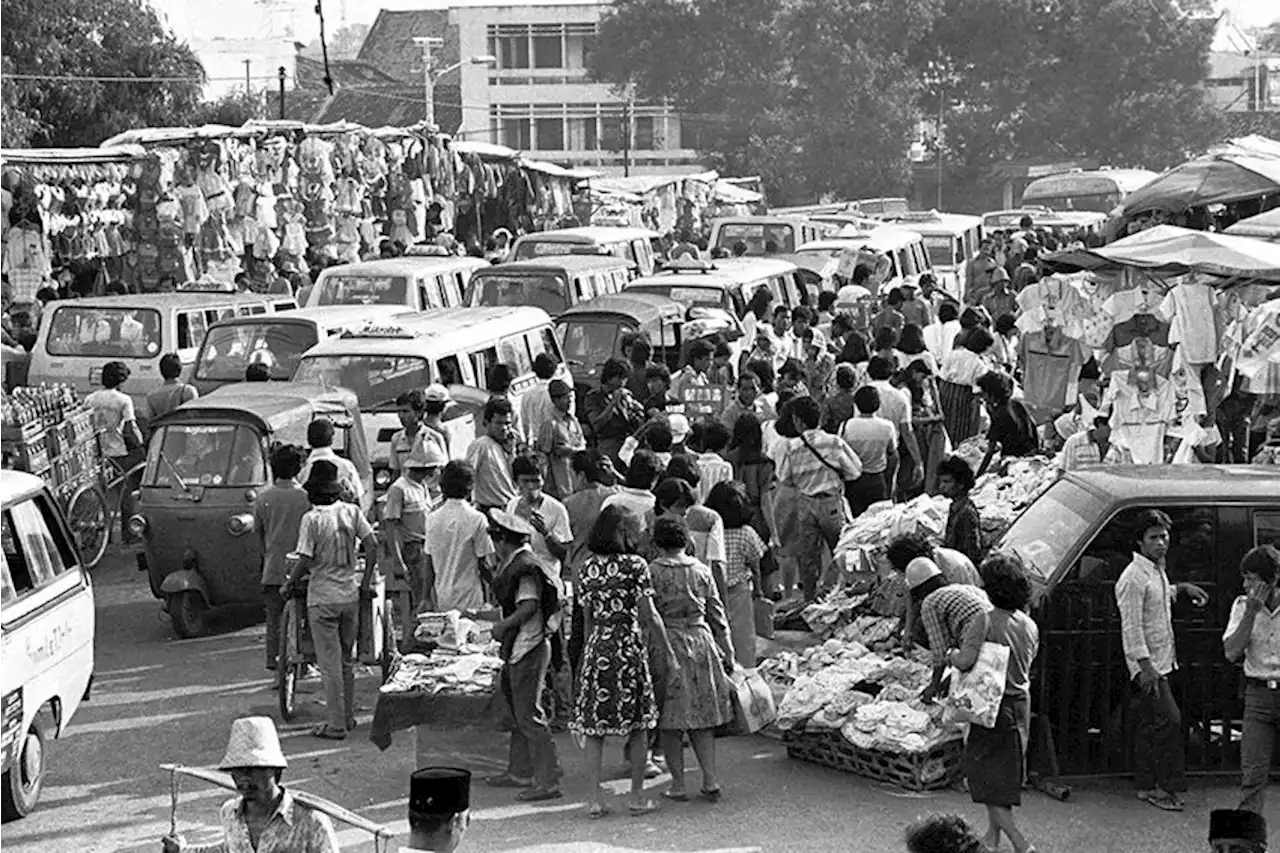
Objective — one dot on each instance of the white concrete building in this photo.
(538, 98)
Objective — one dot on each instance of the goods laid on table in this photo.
(1001, 496)
(443, 672)
(452, 631)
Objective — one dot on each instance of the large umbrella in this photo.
(1264, 226)
(1243, 169)
(1172, 250)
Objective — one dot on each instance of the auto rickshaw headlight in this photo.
(240, 524)
(382, 478)
(137, 526)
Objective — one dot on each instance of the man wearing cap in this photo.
(559, 438)
(437, 399)
(529, 597)
(1233, 831)
(915, 308)
(999, 300)
(405, 515)
(439, 809)
(264, 818)
(952, 617)
(956, 568)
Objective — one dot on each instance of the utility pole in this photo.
(281, 73)
(248, 84)
(942, 102)
(626, 131)
(428, 44)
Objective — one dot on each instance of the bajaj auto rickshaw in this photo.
(206, 464)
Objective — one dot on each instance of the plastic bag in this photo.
(976, 695)
(753, 707)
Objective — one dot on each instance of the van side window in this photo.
(1191, 548)
(424, 296)
(449, 371)
(192, 326)
(583, 287)
(481, 361)
(1266, 528)
(442, 291)
(31, 551)
(514, 353)
(547, 343)
(457, 286)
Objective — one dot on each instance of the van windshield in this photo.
(547, 291)
(229, 350)
(375, 379)
(589, 342)
(362, 290)
(1048, 529)
(941, 250)
(205, 455)
(690, 295)
(759, 239)
(104, 332)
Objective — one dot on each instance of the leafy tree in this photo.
(1269, 38)
(86, 39)
(232, 109)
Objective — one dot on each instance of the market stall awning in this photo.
(69, 156)
(484, 150)
(1264, 226)
(1243, 169)
(643, 184)
(729, 193)
(1172, 250)
(555, 170)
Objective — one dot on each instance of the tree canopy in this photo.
(825, 96)
(81, 39)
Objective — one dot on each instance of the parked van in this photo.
(455, 347)
(950, 240)
(79, 336)
(728, 283)
(47, 620)
(417, 283)
(766, 235)
(554, 284)
(897, 255)
(275, 340)
(634, 245)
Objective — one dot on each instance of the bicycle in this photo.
(92, 511)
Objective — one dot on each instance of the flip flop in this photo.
(641, 809)
(681, 797)
(538, 795)
(711, 796)
(326, 733)
(506, 780)
(1165, 801)
(598, 811)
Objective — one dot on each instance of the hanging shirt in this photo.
(1051, 365)
(1189, 308)
(1140, 420)
(1140, 300)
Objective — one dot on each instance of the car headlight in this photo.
(382, 478)
(240, 524)
(137, 526)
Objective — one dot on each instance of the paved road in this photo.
(160, 699)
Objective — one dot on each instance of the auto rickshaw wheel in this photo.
(90, 523)
(188, 611)
(20, 788)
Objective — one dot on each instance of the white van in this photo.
(899, 254)
(766, 235)
(275, 340)
(634, 245)
(455, 347)
(728, 283)
(554, 284)
(47, 620)
(950, 239)
(418, 283)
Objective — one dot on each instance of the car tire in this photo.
(20, 789)
(188, 611)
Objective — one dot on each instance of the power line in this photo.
(72, 78)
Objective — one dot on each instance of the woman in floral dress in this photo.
(615, 688)
(699, 700)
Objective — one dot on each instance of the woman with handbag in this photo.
(994, 757)
(701, 699)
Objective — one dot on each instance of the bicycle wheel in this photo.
(90, 523)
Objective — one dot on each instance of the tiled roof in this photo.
(346, 72)
(389, 45)
(375, 107)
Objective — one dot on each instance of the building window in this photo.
(515, 133)
(513, 51)
(550, 134)
(548, 51)
(646, 135)
(611, 136)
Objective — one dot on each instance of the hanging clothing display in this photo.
(1142, 406)
(1051, 364)
(1194, 324)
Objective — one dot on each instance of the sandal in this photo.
(506, 780)
(710, 795)
(641, 809)
(598, 811)
(537, 795)
(1162, 800)
(675, 797)
(325, 732)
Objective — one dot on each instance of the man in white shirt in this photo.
(536, 407)
(694, 373)
(895, 407)
(320, 434)
(404, 517)
(550, 520)
(637, 492)
(459, 563)
(1145, 597)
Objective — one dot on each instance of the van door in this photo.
(191, 327)
(455, 286)
(513, 351)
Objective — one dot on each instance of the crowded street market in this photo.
(588, 464)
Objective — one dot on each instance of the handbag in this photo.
(976, 695)
(753, 707)
(762, 610)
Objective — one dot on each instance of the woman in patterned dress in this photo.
(615, 688)
(693, 613)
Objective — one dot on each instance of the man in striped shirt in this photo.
(817, 466)
(951, 617)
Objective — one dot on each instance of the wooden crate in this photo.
(938, 767)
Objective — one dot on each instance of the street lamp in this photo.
(430, 75)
